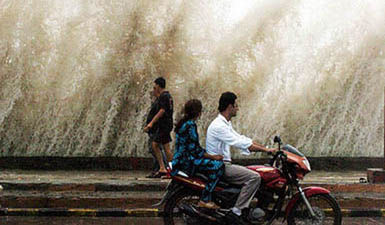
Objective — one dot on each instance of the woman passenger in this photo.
(191, 158)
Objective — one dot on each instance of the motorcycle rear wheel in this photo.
(324, 206)
(172, 214)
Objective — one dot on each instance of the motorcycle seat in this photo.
(221, 183)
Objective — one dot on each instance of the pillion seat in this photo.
(204, 178)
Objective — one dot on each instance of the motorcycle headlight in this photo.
(307, 164)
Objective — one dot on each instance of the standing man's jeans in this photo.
(249, 180)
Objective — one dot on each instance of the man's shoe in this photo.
(256, 214)
(235, 219)
(208, 205)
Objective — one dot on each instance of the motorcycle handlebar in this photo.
(280, 154)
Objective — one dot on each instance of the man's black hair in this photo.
(226, 99)
(161, 82)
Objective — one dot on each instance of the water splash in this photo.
(75, 75)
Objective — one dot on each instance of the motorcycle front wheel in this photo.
(172, 210)
(325, 207)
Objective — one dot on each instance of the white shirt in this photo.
(221, 135)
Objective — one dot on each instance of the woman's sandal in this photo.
(166, 176)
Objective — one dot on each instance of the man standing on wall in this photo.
(161, 124)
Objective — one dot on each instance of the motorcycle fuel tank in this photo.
(267, 173)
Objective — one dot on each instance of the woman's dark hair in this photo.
(191, 109)
(226, 99)
(161, 82)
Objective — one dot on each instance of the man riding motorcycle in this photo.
(220, 136)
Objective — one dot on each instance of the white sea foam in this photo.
(75, 75)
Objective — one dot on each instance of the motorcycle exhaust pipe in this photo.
(193, 212)
(188, 210)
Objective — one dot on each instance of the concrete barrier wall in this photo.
(136, 163)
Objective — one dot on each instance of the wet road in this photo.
(135, 221)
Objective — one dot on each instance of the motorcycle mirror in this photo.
(277, 139)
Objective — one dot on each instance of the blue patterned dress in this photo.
(188, 157)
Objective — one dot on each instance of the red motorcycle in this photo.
(279, 196)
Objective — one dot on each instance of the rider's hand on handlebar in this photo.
(272, 151)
